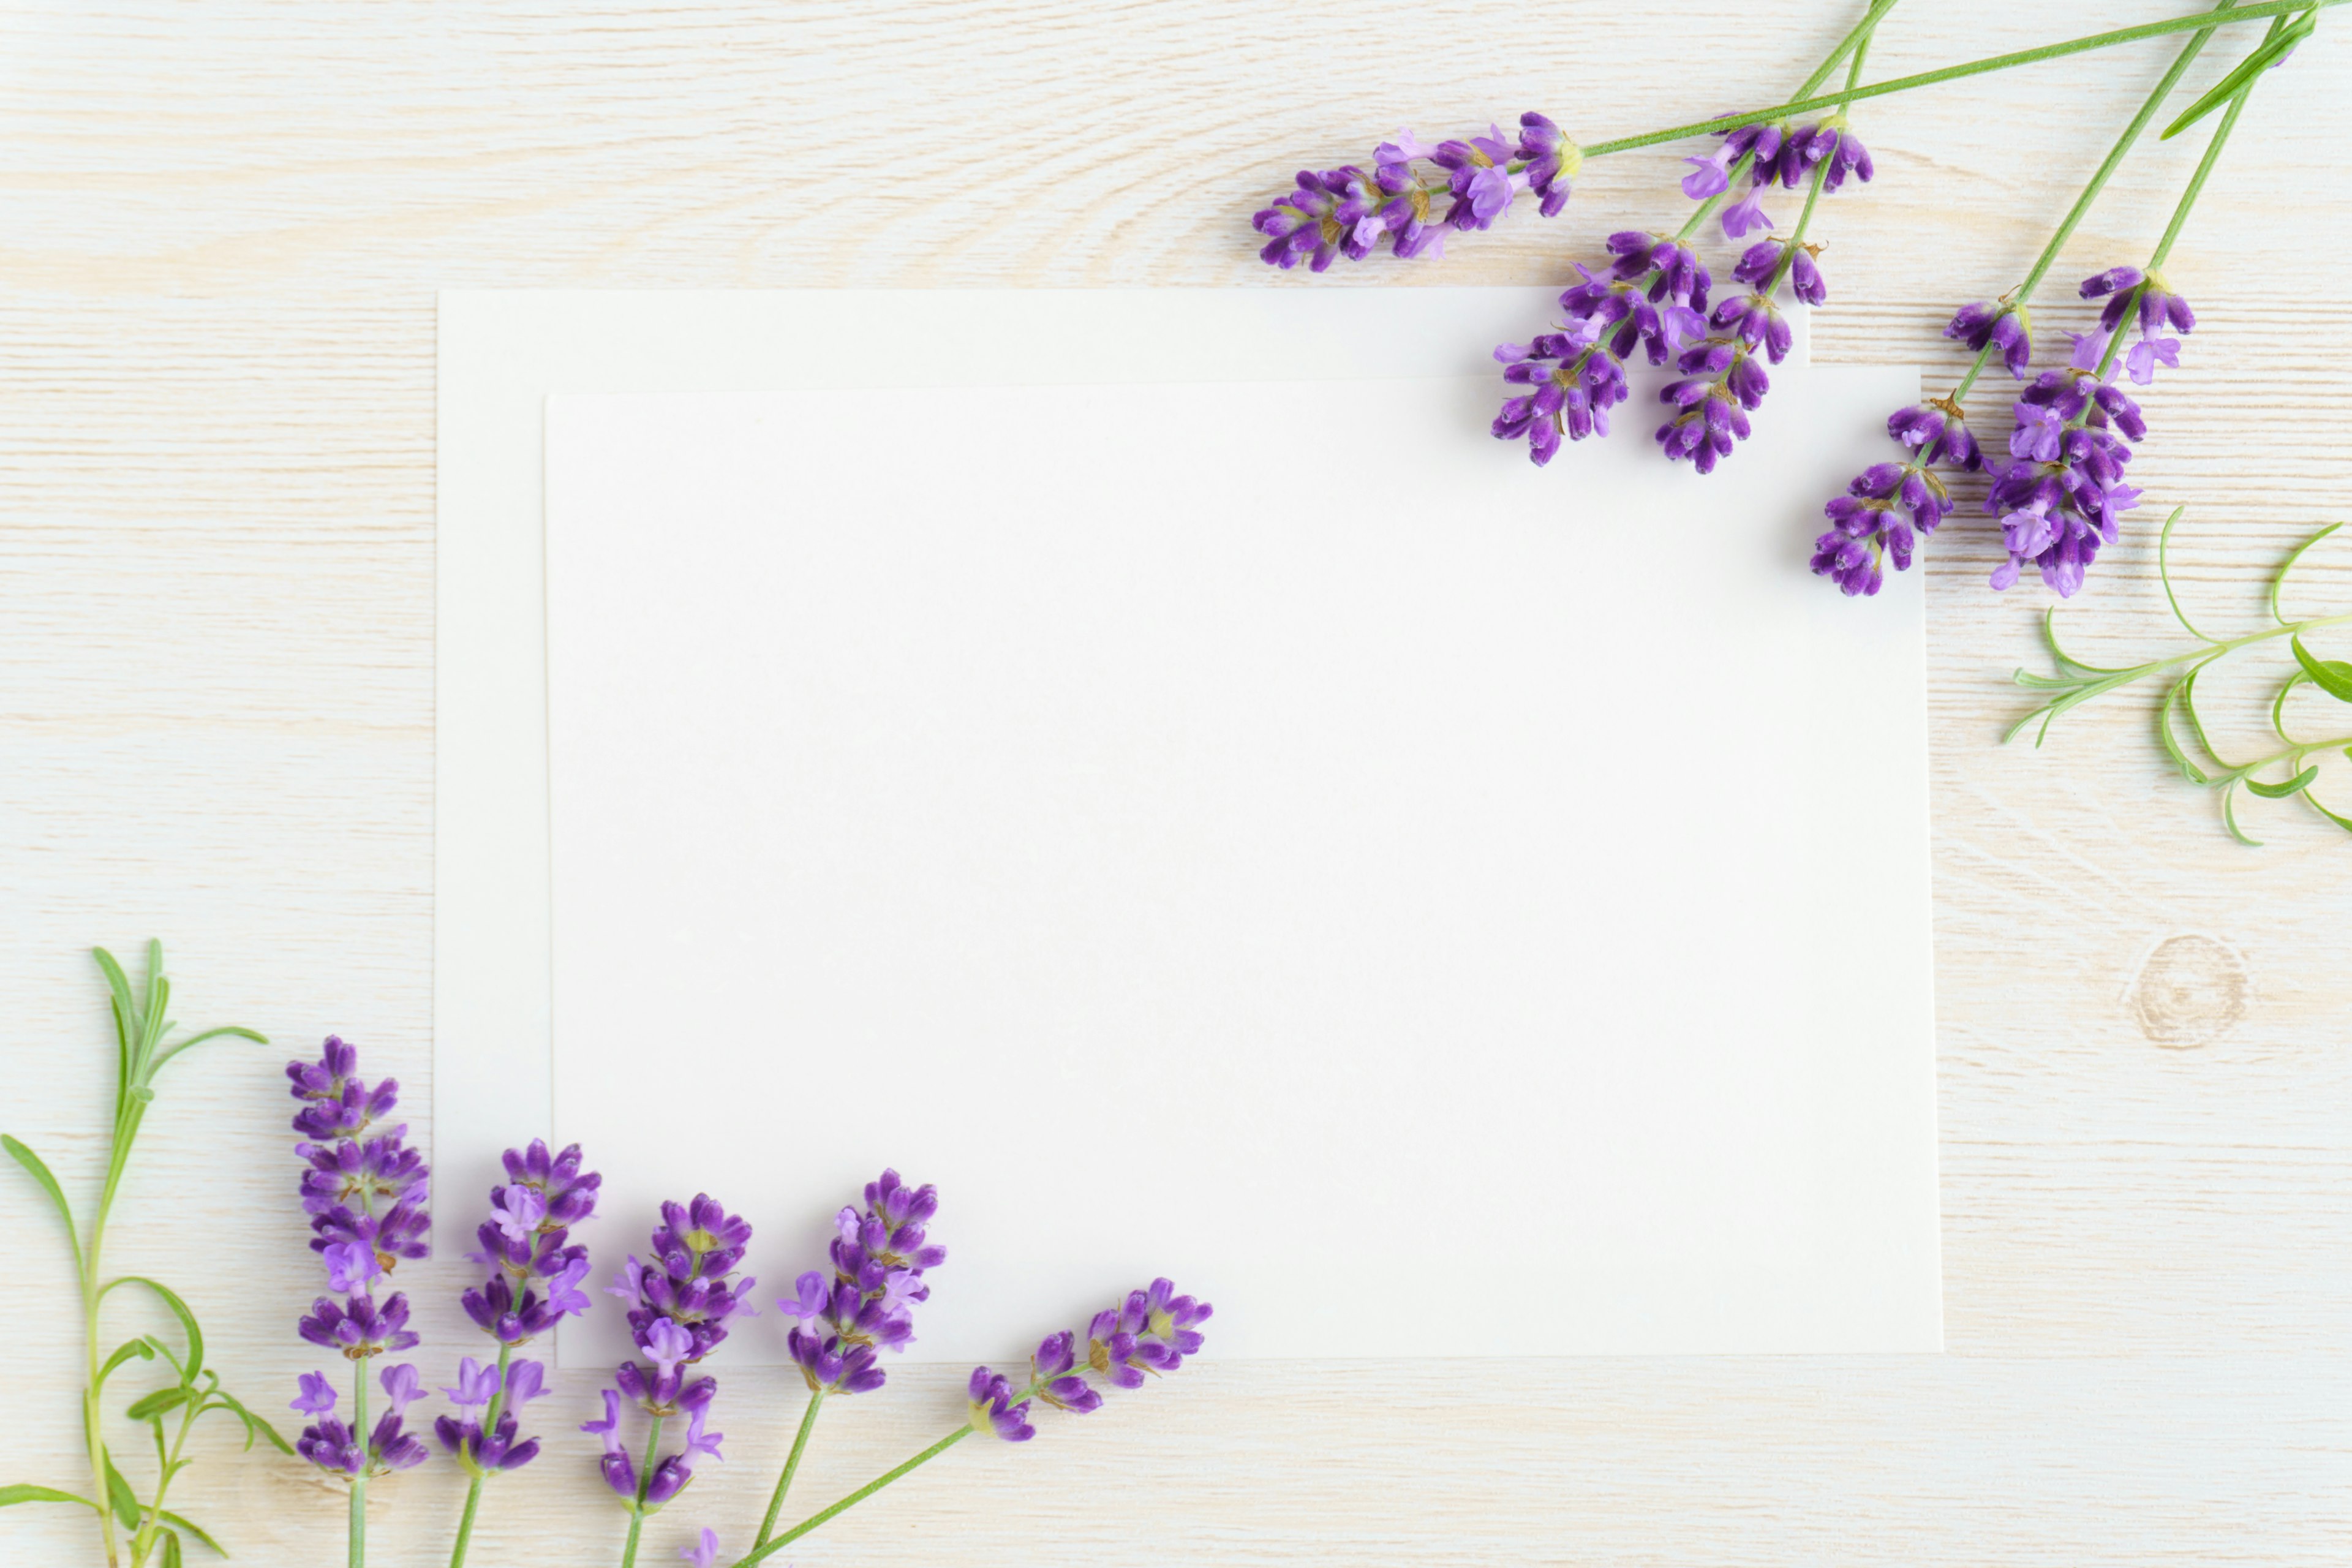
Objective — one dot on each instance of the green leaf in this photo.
(171, 1550)
(2163, 575)
(2331, 676)
(2313, 801)
(2280, 791)
(240, 1030)
(118, 1492)
(2230, 816)
(254, 1425)
(2284, 35)
(11, 1495)
(48, 1183)
(2288, 566)
(157, 1404)
(141, 1347)
(195, 1362)
(179, 1522)
(2188, 770)
(2065, 660)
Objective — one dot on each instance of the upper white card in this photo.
(1261, 832)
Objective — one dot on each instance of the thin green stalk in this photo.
(1856, 43)
(791, 1463)
(637, 1508)
(474, 1486)
(359, 1482)
(2018, 297)
(2179, 217)
(852, 1500)
(143, 1542)
(2221, 15)
(2204, 171)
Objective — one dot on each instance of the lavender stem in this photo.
(791, 1463)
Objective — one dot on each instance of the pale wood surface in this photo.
(225, 225)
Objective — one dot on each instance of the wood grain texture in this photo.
(223, 227)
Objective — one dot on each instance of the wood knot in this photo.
(2190, 992)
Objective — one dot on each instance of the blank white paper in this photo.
(1261, 832)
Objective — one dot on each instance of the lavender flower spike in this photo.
(1147, 1333)
(537, 1269)
(880, 1256)
(678, 1309)
(992, 1407)
(2059, 498)
(2158, 308)
(1889, 505)
(2008, 326)
(1345, 212)
(1650, 295)
(333, 1446)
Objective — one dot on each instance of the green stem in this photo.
(2204, 170)
(791, 1463)
(1855, 43)
(637, 1510)
(143, 1542)
(359, 1482)
(2205, 20)
(474, 1486)
(2023, 292)
(852, 1500)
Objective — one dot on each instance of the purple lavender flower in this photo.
(477, 1387)
(2158, 308)
(1650, 295)
(1760, 265)
(880, 1255)
(1551, 160)
(1479, 171)
(331, 1445)
(1722, 378)
(704, 1553)
(363, 1187)
(1849, 158)
(1149, 1332)
(1890, 505)
(2059, 498)
(992, 1409)
(1345, 212)
(358, 1328)
(526, 1242)
(678, 1309)
(2008, 326)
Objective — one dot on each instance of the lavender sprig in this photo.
(365, 1192)
(679, 1305)
(140, 1023)
(879, 1254)
(2056, 510)
(2295, 763)
(535, 1273)
(1147, 1333)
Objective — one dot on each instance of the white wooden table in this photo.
(223, 227)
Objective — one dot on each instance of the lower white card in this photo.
(1262, 832)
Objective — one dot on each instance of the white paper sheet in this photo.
(1691, 1196)
(1247, 832)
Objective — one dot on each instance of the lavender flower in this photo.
(704, 1553)
(1722, 378)
(331, 1445)
(2058, 500)
(1479, 175)
(537, 1269)
(1760, 264)
(879, 1258)
(364, 1188)
(1332, 213)
(2008, 326)
(678, 1309)
(2158, 308)
(357, 1328)
(477, 1387)
(994, 1408)
(1650, 295)
(1889, 505)
(1147, 1333)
